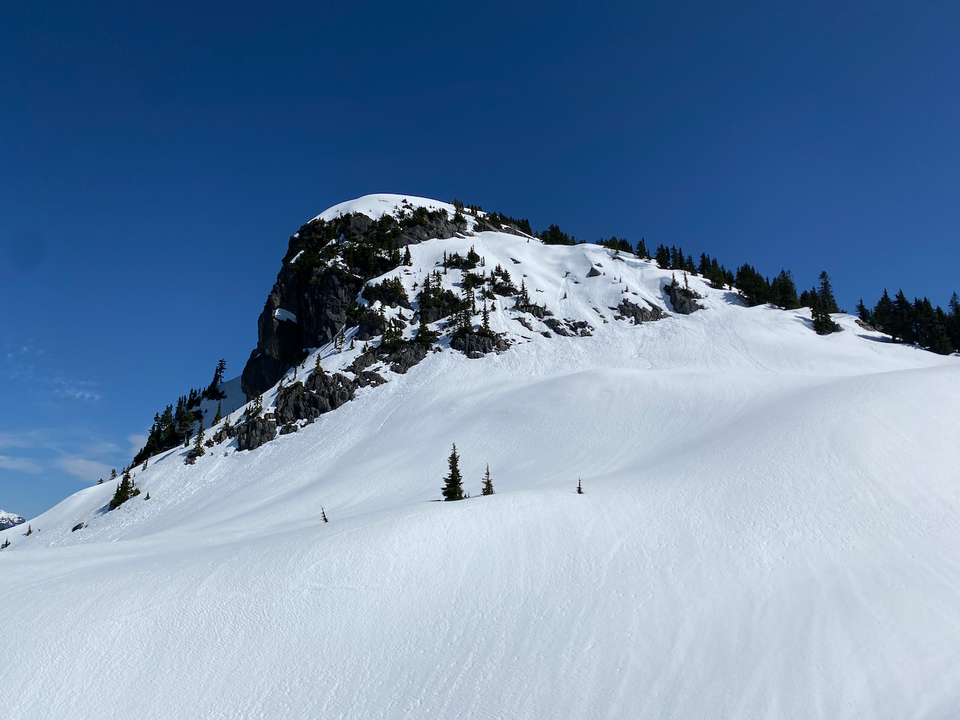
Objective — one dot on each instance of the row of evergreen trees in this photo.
(174, 427)
(917, 322)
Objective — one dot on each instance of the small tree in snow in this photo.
(487, 483)
(453, 487)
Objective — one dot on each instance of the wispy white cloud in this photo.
(20, 463)
(136, 443)
(74, 452)
(89, 470)
(21, 440)
(34, 368)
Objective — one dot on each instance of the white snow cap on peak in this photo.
(377, 205)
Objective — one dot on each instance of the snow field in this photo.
(769, 529)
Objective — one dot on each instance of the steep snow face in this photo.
(768, 529)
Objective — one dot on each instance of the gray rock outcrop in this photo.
(684, 300)
(311, 299)
(475, 345)
(255, 432)
(639, 314)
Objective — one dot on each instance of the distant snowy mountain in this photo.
(9, 520)
(768, 526)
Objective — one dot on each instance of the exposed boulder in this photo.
(369, 379)
(683, 299)
(334, 390)
(533, 309)
(255, 432)
(362, 361)
(639, 314)
(476, 345)
(289, 428)
(406, 356)
(593, 272)
(321, 394)
(557, 326)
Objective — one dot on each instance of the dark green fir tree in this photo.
(453, 483)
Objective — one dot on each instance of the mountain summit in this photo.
(701, 508)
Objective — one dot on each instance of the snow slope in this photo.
(769, 529)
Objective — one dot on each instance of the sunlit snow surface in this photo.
(769, 530)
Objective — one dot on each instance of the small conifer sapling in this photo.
(487, 483)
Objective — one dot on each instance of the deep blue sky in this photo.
(155, 158)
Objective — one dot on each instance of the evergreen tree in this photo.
(323, 514)
(827, 302)
(487, 483)
(952, 323)
(822, 322)
(407, 260)
(783, 291)
(219, 416)
(663, 256)
(863, 313)
(901, 321)
(453, 483)
(125, 490)
(425, 336)
(883, 313)
(753, 286)
(198, 445)
(29, 530)
(579, 487)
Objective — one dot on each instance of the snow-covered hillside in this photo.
(769, 528)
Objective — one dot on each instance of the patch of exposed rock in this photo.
(639, 314)
(476, 345)
(255, 432)
(683, 299)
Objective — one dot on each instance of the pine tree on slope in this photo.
(453, 487)
(487, 483)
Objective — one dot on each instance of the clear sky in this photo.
(155, 158)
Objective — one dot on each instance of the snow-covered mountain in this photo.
(9, 520)
(769, 524)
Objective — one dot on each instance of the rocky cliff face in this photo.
(326, 266)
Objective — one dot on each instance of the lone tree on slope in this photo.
(453, 489)
(487, 483)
